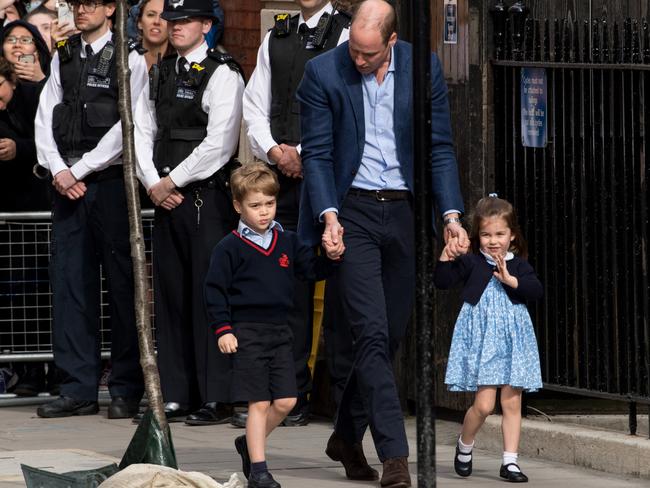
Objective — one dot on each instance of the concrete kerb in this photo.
(602, 450)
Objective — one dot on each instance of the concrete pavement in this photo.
(295, 454)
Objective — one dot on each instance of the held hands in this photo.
(68, 186)
(501, 273)
(332, 239)
(459, 245)
(227, 343)
(287, 160)
(164, 194)
(453, 249)
(7, 149)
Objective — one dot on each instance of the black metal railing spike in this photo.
(627, 40)
(529, 40)
(518, 13)
(616, 45)
(508, 49)
(646, 42)
(586, 52)
(539, 37)
(557, 41)
(605, 42)
(636, 43)
(499, 14)
(575, 49)
(566, 40)
(595, 42)
(547, 40)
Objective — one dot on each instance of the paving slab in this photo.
(295, 454)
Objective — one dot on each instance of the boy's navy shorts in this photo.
(263, 366)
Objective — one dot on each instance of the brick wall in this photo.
(242, 31)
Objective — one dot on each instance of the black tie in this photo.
(89, 51)
(181, 65)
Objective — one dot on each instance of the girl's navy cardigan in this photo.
(475, 272)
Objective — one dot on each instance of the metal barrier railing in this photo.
(25, 295)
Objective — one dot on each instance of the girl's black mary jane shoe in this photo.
(512, 476)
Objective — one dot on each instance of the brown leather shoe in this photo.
(352, 457)
(396, 473)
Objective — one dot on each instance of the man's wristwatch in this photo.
(451, 220)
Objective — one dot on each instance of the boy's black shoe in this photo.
(31, 380)
(123, 408)
(211, 413)
(461, 468)
(242, 449)
(262, 480)
(512, 476)
(67, 407)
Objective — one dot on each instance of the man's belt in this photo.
(381, 195)
(113, 172)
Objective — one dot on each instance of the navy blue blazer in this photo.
(475, 272)
(333, 133)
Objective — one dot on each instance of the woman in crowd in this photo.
(41, 18)
(152, 30)
(25, 49)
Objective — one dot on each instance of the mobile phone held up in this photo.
(27, 58)
(64, 13)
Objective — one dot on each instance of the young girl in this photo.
(494, 344)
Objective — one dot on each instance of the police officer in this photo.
(273, 123)
(186, 132)
(79, 140)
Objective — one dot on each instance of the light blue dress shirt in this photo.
(380, 168)
(262, 240)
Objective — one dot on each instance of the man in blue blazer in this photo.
(357, 151)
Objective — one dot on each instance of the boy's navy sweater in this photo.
(247, 283)
(475, 273)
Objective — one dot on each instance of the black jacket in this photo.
(475, 274)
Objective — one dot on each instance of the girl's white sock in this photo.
(510, 458)
(465, 450)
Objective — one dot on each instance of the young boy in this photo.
(248, 294)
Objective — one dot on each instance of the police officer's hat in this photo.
(183, 9)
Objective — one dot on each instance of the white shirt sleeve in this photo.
(46, 150)
(145, 131)
(222, 101)
(109, 148)
(257, 104)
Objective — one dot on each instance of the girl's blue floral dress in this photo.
(493, 344)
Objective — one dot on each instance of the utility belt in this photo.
(220, 179)
(381, 195)
(113, 172)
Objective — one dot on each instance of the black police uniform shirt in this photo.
(257, 96)
(109, 149)
(249, 283)
(221, 101)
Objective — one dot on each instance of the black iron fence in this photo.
(581, 194)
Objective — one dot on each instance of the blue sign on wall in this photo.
(533, 107)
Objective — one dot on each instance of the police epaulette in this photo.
(64, 47)
(225, 58)
(343, 13)
(136, 46)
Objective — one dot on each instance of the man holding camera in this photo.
(79, 140)
(186, 132)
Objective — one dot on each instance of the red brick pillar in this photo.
(242, 31)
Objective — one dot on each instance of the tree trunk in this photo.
(142, 316)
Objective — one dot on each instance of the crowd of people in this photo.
(328, 114)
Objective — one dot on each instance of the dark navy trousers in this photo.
(375, 286)
(88, 232)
